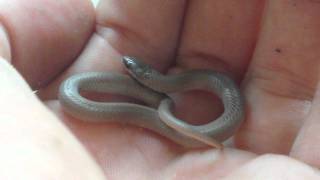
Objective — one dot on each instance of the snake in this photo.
(156, 113)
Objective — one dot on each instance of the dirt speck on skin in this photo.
(278, 50)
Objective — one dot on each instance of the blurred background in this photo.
(95, 2)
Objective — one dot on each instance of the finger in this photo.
(33, 140)
(146, 29)
(45, 35)
(274, 167)
(206, 165)
(282, 78)
(217, 35)
(306, 146)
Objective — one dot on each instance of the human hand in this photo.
(266, 55)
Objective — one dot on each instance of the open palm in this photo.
(270, 48)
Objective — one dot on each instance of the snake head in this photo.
(137, 68)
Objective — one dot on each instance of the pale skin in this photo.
(273, 55)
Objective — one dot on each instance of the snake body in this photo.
(151, 87)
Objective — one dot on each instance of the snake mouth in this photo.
(128, 62)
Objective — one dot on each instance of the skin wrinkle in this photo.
(205, 60)
(294, 110)
(189, 166)
(198, 35)
(159, 49)
(294, 88)
(311, 1)
(135, 144)
(125, 34)
(112, 30)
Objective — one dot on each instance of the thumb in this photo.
(33, 140)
